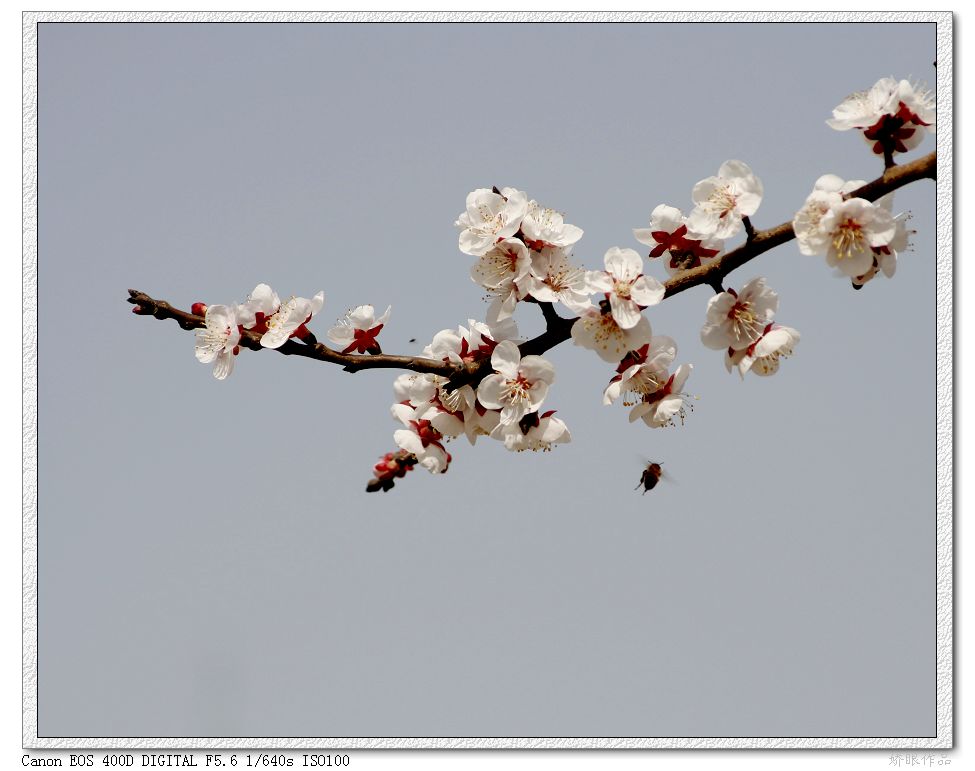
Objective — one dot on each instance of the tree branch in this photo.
(558, 329)
(160, 309)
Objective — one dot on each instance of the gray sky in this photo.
(209, 562)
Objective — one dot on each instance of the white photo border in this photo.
(945, 425)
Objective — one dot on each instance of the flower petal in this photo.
(536, 368)
(489, 391)
(505, 359)
(647, 291)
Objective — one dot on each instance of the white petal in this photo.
(403, 413)
(341, 335)
(703, 190)
(680, 377)
(363, 316)
(536, 369)
(643, 235)
(316, 304)
(623, 264)
(625, 312)
(505, 359)
(748, 203)
(599, 281)
(647, 291)
(570, 235)
(665, 217)
(666, 408)
(512, 413)
(639, 411)
(408, 440)
(704, 222)
(223, 365)
(715, 336)
(553, 430)
(735, 169)
(537, 393)
(474, 243)
(612, 392)
(489, 392)
(433, 459)
(772, 341)
(447, 424)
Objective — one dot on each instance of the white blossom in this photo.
(217, 341)
(642, 371)
(892, 115)
(856, 227)
(545, 227)
(554, 279)
(667, 404)
(490, 217)
(885, 257)
(827, 193)
(290, 319)
(420, 438)
(260, 304)
(470, 345)
(722, 201)
(597, 330)
(668, 234)
(762, 356)
(626, 288)
(736, 320)
(533, 432)
(358, 329)
(481, 422)
(519, 385)
(504, 271)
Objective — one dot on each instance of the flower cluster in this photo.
(617, 325)
(644, 380)
(740, 323)
(858, 238)
(504, 406)
(523, 251)
(893, 115)
(262, 313)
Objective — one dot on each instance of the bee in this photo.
(650, 476)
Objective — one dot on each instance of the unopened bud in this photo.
(199, 309)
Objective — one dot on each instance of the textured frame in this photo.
(945, 626)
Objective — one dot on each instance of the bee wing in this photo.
(664, 474)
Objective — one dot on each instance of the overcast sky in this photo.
(209, 561)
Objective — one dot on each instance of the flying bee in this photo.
(650, 476)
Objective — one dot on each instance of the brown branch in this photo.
(749, 228)
(889, 161)
(160, 309)
(558, 329)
